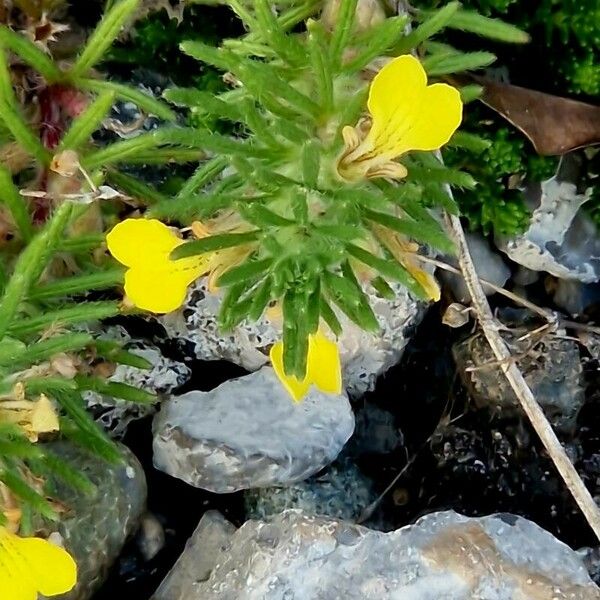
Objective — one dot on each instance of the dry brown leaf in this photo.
(554, 125)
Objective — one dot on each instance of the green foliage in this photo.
(306, 236)
(43, 306)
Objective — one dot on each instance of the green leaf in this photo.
(114, 389)
(321, 65)
(469, 141)
(203, 175)
(445, 64)
(248, 270)
(77, 284)
(435, 22)
(12, 199)
(429, 233)
(381, 38)
(343, 30)
(142, 100)
(104, 35)
(205, 102)
(80, 313)
(351, 299)
(13, 480)
(113, 352)
(441, 175)
(46, 349)
(87, 122)
(136, 188)
(30, 53)
(260, 301)
(30, 264)
(21, 132)
(271, 32)
(329, 317)
(213, 243)
(218, 57)
(388, 268)
(494, 29)
(121, 151)
(382, 288)
(53, 464)
(311, 163)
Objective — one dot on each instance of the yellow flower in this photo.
(323, 368)
(153, 281)
(32, 566)
(406, 114)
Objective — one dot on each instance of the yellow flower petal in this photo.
(141, 242)
(407, 113)
(29, 566)
(323, 364)
(163, 289)
(323, 368)
(296, 389)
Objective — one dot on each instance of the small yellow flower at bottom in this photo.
(406, 114)
(153, 281)
(323, 367)
(32, 566)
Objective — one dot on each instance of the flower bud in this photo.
(368, 14)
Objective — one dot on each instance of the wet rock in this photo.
(364, 355)
(560, 239)
(575, 297)
(96, 527)
(488, 264)
(551, 367)
(151, 536)
(163, 377)
(195, 564)
(341, 491)
(247, 433)
(443, 555)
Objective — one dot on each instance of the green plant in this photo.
(52, 212)
(308, 234)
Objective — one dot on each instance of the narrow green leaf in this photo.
(382, 288)
(122, 150)
(142, 100)
(311, 163)
(343, 30)
(135, 187)
(435, 22)
(260, 300)
(445, 64)
(205, 102)
(249, 270)
(321, 65)
(46, 349)
(84, 312)
(21, 132)
(388, 268)
(203, 175)
(381, 39)
(104, 35)
(329, 317)
(30, 264)
(10, 196)
(441, 175)
(218, 57)
(77, 284)
(213, 243)
(80, 243)
(87, 122)
(494, 29)
(72, 476)
(429, 233)
(114, 389)
(30, 53)
(114, 352)
(469, 141)
(13, 480)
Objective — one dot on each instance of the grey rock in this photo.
(151, 536)
(575, 297)
(560, 239)
(444, 556)
(342, 491)
(247, 433)
(488, 264)
(96, 527)
(163, 377)
(195, 564)
(364, 355)
(551, 367)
